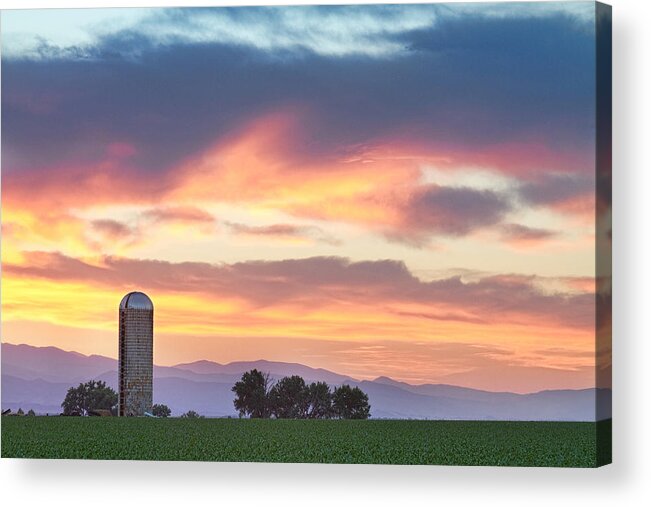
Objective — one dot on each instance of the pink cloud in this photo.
(315, 281)
(266, 164)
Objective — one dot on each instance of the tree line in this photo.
(256, 396)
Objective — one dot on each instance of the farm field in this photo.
(556, 444)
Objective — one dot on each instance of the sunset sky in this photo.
(384, 190)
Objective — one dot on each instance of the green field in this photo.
(559, 444)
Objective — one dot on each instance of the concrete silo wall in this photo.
(136, 361)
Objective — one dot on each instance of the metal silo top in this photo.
(137, 301)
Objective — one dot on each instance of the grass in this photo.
(556, 444)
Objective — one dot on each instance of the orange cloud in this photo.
(309, 285)
(380, 189)
(393, 323)
(269, 165)
(493, 321)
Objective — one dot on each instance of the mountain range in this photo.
(38, 378)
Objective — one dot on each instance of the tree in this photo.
(252, 394)
(20, 412)
(31, 412)
(289, 398)
(319, 400)
(350, 403)
(292, 398)
(160, 410)
(191, 414)
(94, 394)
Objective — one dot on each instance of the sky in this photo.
(399, 190)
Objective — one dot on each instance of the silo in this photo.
(136, 354)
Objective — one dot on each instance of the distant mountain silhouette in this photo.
(52, 364)
(273, 367)
(38, 378)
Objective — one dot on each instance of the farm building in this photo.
(136, 361)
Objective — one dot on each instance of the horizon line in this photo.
(373, 379)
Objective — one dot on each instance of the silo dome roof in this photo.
(136, 300)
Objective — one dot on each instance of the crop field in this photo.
(557, 444)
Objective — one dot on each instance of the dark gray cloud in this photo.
(463, 85)
(518, 232)
(556, 189)
(111, 228)
(452, 211)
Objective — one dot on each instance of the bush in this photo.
(160, 410)
(191, 414)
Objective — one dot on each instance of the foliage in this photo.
(20, 411)
(350, 403)
(94, 394)
(191, 414)
(292, 398)
(252, 394)
(319, 399)
(288, 399)
(31, 412)
(160, 410)
(490, 443)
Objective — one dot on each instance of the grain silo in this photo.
(136, 361)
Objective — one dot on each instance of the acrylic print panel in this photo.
(343, 234)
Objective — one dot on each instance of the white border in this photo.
(626, 482)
